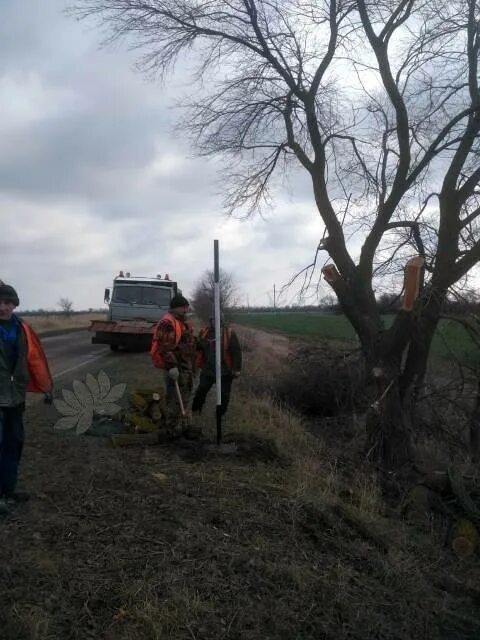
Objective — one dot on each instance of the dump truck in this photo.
(135, 305)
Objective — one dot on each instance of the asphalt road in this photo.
(72, 352)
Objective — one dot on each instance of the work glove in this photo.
(47, 398)
(173, 374)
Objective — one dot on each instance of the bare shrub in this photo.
(323, 382)
(66, 305)
(203, 294)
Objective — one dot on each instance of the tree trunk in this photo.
(475, 428)
(398, 374)
(388, 422)
(395, 360)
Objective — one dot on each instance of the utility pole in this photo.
(274, 300)
(218, 339)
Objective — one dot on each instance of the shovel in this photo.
(180, 401)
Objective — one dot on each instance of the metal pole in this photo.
(218, 339)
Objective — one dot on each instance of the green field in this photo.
(450, 341)
(308, 324)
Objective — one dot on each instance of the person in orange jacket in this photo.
(173, 350)
(23, 367)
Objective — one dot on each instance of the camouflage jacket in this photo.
(179, 354)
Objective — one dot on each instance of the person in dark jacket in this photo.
(231, 364)
(23, 367)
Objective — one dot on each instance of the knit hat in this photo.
(8, 293)
(178, 301)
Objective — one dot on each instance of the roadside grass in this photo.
(152, 617)
(174, 542)
(451, 341)
(35, 621)
(305, 469)
(301, 468)
(47, 323)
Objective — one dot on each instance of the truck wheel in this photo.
(114, 347)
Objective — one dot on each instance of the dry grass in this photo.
(176, 543)
(42, 324)
(313, 473)
(151, 616)
(34, 620)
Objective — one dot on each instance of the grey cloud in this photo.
(70, 155)
(91, 158)
(33, 31)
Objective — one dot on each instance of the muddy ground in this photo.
(170, 542)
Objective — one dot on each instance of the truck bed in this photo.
(135, 334)
(123, 326)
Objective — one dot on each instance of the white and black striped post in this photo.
(218, 338)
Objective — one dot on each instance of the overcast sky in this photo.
(93, 178)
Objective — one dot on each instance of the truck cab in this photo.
(139, 298)
(135, 305)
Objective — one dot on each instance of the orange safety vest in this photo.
(41, 380)
(201, 358)
(157, 357)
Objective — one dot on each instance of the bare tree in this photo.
(378, 101)
(202, 297)
(66, 305)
